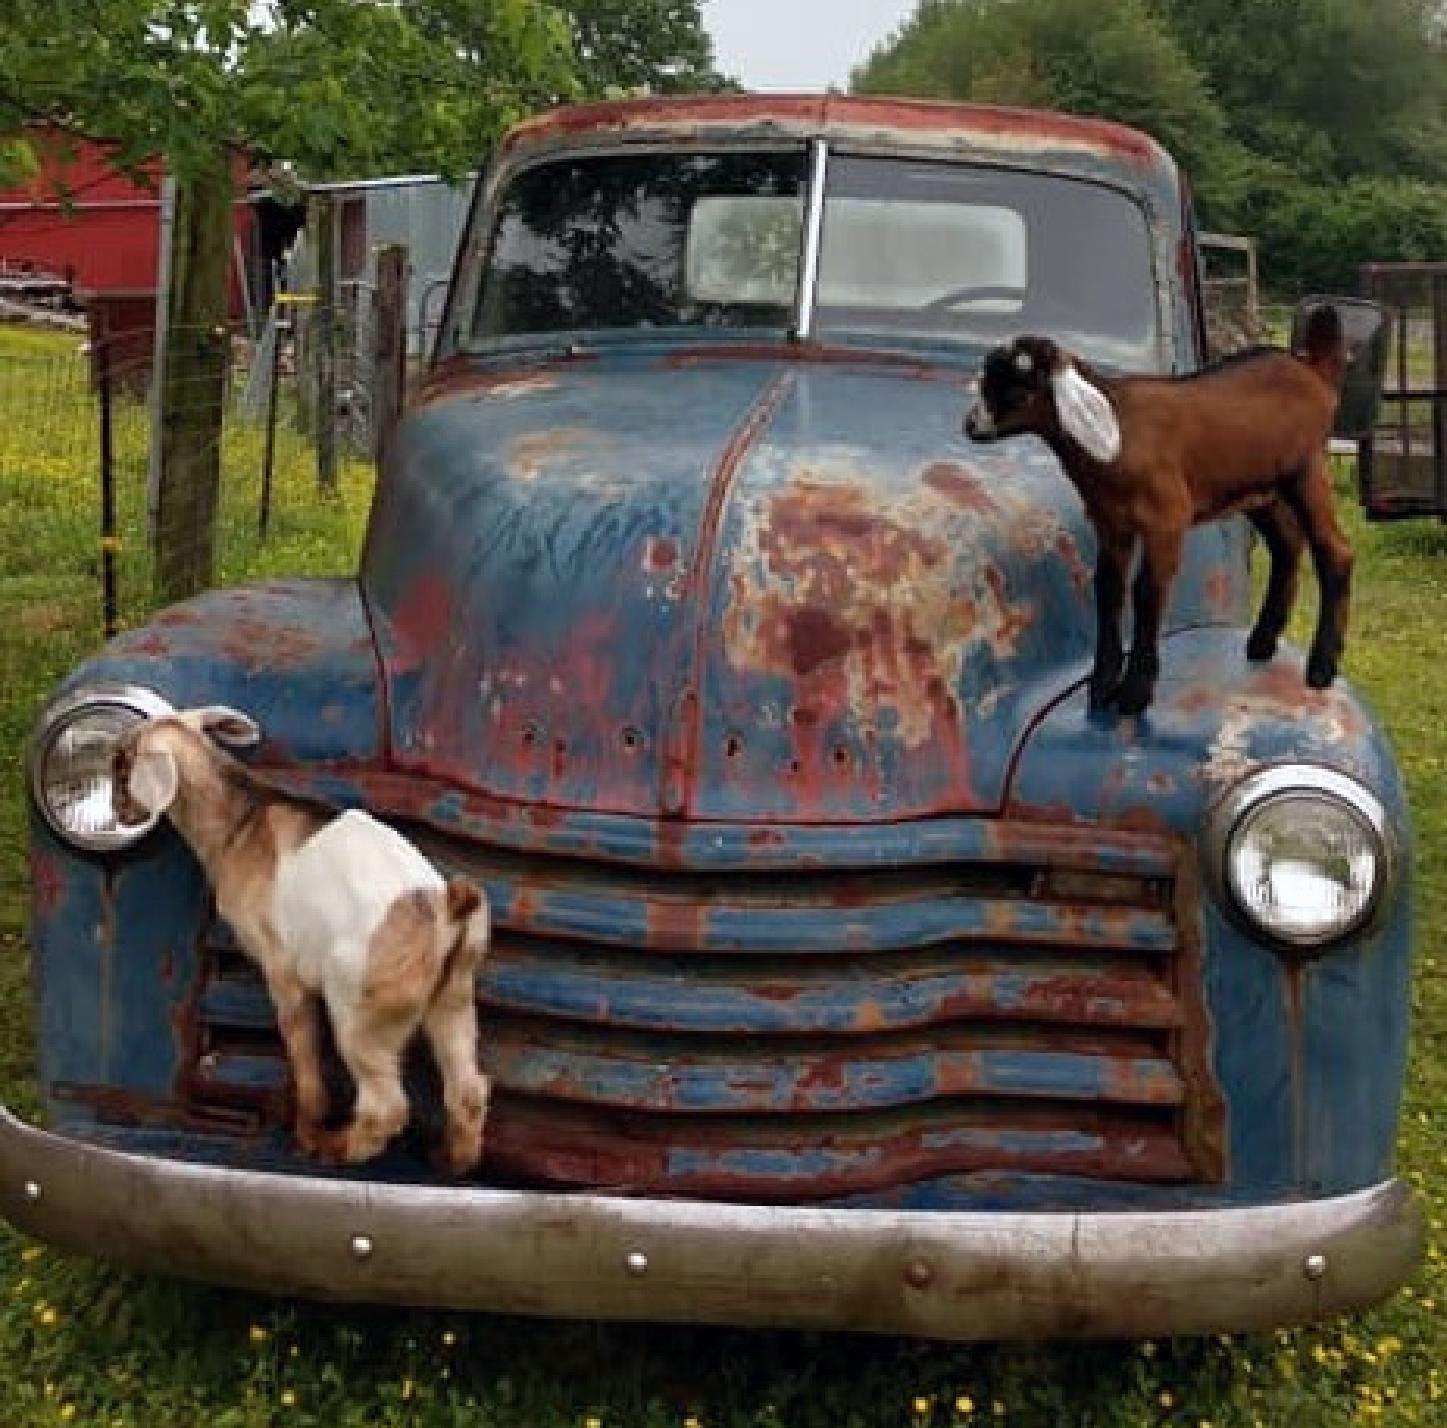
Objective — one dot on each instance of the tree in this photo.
(659, 45)
(1334, 88)
(1108, 57)
(337, 86)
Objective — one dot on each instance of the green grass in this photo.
(85, 1344)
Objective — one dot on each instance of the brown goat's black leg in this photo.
(1311, 500)
(1281, 533)
(1111, 562)
(1160, 557)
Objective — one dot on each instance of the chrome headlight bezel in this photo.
(1270, 786)
(54, 721)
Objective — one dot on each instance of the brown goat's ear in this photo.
(154, 781)
(1085, 413)
(226, 725)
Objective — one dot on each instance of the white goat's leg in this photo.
(297, 1013)
(372, 1050)
(451, 1029)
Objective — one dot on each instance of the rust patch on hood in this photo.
(536, 453)
(868, 603)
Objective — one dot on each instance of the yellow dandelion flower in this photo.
(30, 1254)
(592, 1422)
(67, 1411)
(49, 1317)
(1166, 1398)
(1148, 1348)
(448, 1338)
(964, 1405)
(922, 1407)
(691, 1422)
(1429, 1304)
(1389, 1345)
(288, 1398)
(258, 1334)
(997, 1408)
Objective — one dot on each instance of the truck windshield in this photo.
(911, 250)
(950, 250)
(647, 241)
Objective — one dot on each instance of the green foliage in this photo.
(1319, 126)
(341, 88)
(335, 86)
(1313, 236)
(1109, 57)
(17, 162)
(656, 45)
(1333, 88)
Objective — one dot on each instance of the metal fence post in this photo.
(109, 541)
(268, 460)
(326, 354)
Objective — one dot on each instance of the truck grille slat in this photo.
(828, 1033)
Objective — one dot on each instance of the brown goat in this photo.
(1153, 456)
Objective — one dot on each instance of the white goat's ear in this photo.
(154, 780)
(1085, 413)
(226, 725)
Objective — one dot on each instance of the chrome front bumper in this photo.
(938, 1275)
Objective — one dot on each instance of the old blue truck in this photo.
(847, 973)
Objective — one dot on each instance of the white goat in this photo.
(341, 910)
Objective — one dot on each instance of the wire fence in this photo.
(102, 495)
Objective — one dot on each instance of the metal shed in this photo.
(422, 211)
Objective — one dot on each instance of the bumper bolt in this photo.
(361, 1246)
(919, 1274)
(1315, 1266)
(636, 1263)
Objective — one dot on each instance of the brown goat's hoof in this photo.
(1134, 696)
(1320, 672)
(1261, 646)
(1100, 694)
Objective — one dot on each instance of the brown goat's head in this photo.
(1034, 386)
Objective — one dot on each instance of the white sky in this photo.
(798, 44)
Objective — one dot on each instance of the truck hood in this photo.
(718, 585)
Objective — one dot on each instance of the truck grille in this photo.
(776, 1036)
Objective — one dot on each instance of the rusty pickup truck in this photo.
(847, 971)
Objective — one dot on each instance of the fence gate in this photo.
(1402, 468)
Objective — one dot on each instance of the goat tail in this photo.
(471, 928)
(1323, 345)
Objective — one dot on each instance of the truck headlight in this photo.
(70, 763)
(1303, 854)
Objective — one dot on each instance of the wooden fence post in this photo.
(389, 348)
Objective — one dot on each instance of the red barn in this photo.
(80, 217)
